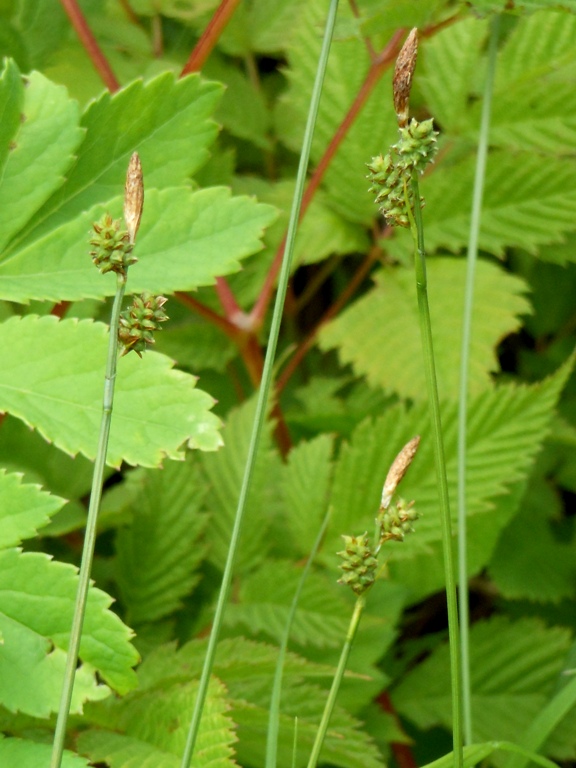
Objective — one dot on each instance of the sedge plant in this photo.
(360, 567)
(395, 184)
(132, 329)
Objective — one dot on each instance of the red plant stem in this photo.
(402, 752)
(89, 42)
(213, 317)
(211, 34)
(129, 11)
(344, 297)
(384, 60)
(60, 309)
(232, 310)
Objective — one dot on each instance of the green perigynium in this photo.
(396, 521)
(112, 248)
(140, 321)
(390, 174)
(358, 563)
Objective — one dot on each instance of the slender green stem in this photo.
(417, 228)
(464, 369)
(350, 635)
(90, 535)
(274, 714)
(263, 394)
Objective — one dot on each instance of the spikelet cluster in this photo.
(112, 249)
(140, 321)
(358, 563)
(390, 175)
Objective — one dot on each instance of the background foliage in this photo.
(219, 152)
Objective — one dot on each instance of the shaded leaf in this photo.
(513, 669)
(151, 730)
(380, 333)
(159, 553)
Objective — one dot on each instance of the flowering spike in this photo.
(139, 322)
(402, 82)
(133, 196)
(358, 564)
(398, 469)
(112, 247)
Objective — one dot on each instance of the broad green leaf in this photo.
(246, 668)
(250, 124)
(379, 334)
(25, 451)
(534, 106)
(24, 509)
(513, 669)
(305, 486)
(527, 539)
(167, 121)
(264, 601)
(23, 753)
(159, 553)
(224, 472)
(506, 427)
(263, 26)
(151, 730)
(44, 28)
(186, 240)
(53, 380)
(40, 145)
(37, 597)
(520, 6)
(527, 203)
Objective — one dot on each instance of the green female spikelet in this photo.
(140, 321)
(358, 563)
(416, 147)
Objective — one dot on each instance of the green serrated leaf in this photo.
(529, 539)
(167, 121)
(533, 105)
(224, 472)
(40, 136)
(186, 240)
(23, 753)
(37, 599)
(513, 670)
(152, 730)
(159, 553)
(53, 380)
(485, 7)
(305, 485)
(506, 426)
(379, 335)
(264, 603)
(448, 72)
(527, 203)
(24, 509)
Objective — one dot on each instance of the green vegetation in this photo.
(215, 98)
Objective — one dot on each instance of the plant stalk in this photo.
(472, 257)
(90, 534)
(343, 661)
(263, 394)
(417, 227)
